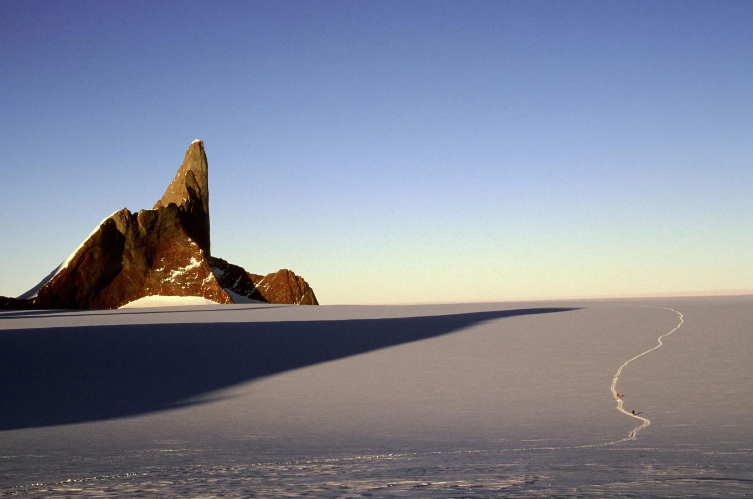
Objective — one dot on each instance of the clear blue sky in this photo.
(394, 151)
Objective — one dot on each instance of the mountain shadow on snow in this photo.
(65, 375)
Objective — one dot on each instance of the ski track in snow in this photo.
(645, 422)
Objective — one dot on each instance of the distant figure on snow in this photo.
(633, 412)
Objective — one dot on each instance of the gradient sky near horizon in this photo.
(421, 151)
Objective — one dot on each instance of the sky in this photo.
(394, 152)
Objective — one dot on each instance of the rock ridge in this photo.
(282, 287)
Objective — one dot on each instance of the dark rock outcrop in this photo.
(282, 286)
(163, 251)
(235, 279)
(7, 303)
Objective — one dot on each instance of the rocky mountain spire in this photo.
(189, 190)
(159, 252)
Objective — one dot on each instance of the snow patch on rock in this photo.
(181, 271)
(240, 298)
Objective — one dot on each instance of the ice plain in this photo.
(455, 400)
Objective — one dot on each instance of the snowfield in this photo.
(168, 301)
(460, 400)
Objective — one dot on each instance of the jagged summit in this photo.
(159, 252)
(189, 189)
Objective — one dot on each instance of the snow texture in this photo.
(483, 400)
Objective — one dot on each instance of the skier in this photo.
(633, 412)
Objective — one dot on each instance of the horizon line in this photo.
(668, 294)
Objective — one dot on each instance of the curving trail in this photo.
(645, 422)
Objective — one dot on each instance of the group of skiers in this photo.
(617, 396)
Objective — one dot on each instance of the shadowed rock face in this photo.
(7, 303)
(163, 251)
(235, 279)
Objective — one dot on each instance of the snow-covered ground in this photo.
(488, 400)
(168, 301)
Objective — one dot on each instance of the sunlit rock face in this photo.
(284, 286)
(164, 251)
